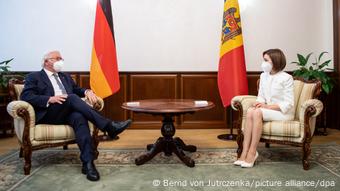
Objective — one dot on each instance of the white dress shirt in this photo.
(57, 89)
(277, 89)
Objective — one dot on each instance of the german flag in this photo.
(232, 77)
(104, 76)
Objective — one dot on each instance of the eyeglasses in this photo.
(57, 59)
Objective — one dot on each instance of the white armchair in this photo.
(33, 137)
(298, 132)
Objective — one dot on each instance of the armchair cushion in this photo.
(282, 128)
(303, 95)
(47, 132)
(18, 89)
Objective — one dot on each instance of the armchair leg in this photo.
(27, 151)
(95, 150)
(95, 141)
(240, 144)
(306, 151)
(21, 153)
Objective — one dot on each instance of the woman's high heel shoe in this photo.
(250, 165)
(238, 162)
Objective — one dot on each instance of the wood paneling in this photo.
(112, 106)
(202, 87)
(252, 82)
(74, 77)
(151, 86)
(84, 80)
(194, 85)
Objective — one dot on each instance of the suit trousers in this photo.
(76, 113)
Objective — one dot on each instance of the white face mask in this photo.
(58, 66)
(266, 66)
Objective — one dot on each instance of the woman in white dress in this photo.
(275, 102)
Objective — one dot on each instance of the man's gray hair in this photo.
(46, 57)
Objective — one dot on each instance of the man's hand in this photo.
(91, 96)
(57, 99)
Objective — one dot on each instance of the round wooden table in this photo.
(168, 108)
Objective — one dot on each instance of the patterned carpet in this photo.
(277, 169)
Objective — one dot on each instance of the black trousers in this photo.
(76, 113)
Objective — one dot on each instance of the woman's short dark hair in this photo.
(277, 57)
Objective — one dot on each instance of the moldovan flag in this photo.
(104, 77)
(232, 77)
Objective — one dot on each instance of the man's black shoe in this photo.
(117, 127)
(90, 170)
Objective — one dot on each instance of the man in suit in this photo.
(56, 100)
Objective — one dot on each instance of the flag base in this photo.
(227, 137)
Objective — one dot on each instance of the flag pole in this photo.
(228, 136)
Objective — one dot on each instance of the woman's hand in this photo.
(259, 104)
(266, 106)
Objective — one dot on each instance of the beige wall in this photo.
(161, 35)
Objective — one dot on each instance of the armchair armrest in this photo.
(15, 109)
(245, 101)
(24, 120)
(311, 106)
(308, 112)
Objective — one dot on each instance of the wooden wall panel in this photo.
(202, 87)
(252, 82)
(112, 107)
(84, 80)
(193, 85)
(74, 77)
(151, 86)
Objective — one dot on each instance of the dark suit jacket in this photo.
(38, 89)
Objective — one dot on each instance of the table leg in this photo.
(180, 143)
(179, 152)
(154, 150)
(168, 145)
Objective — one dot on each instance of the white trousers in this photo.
(273, 115)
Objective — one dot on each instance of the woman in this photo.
(275, 102)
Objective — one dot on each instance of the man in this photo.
(56, 100)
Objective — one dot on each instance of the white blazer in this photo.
(277, 89)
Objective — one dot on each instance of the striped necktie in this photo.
(61, 86)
